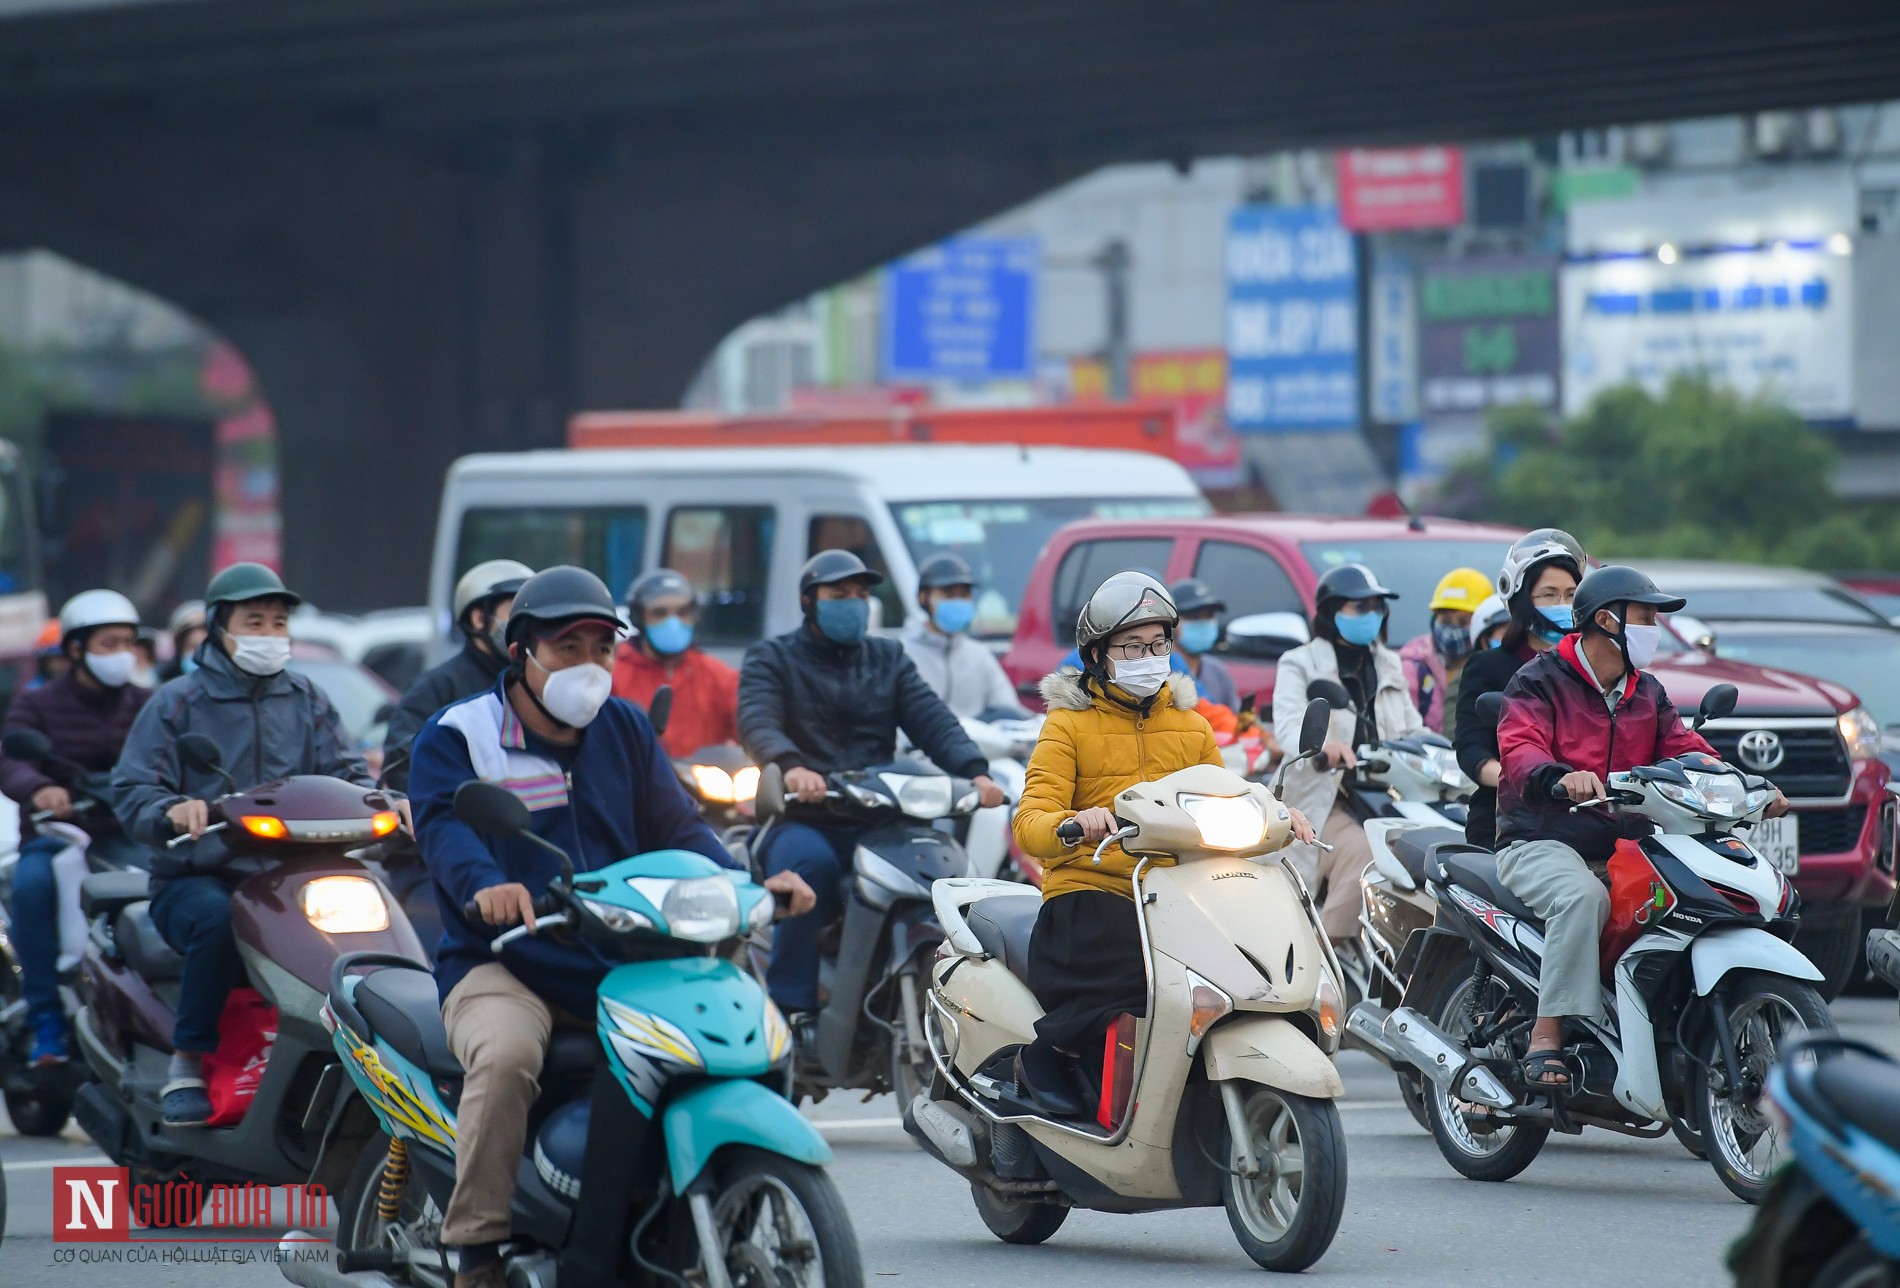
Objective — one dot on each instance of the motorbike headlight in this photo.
(704, 910)
(637, 1034)
(1441, 765)
(880, 881)
(1861, 732)
(761, 915)
(1716, 795)
(615, 918)
(923, 796)
(345, 905)
(745, 783)
(715, 784)
(1225, 822)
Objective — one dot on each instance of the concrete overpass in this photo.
(436, 226)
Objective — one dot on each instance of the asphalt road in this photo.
(1602, 1209)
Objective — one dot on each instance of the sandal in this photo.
(1540, 1065)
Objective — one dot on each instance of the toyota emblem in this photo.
(1760, 750)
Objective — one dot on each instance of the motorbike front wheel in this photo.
(911, 1066)
(1285, 1217)
(1858, 1265)
(782, 1224)
(1766, 1014)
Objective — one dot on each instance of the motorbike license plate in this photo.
(1778, 841)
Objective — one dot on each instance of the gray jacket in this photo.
(266, 728)
(961, 671)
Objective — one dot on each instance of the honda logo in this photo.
(1760, 750)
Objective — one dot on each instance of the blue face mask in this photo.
(953, 616)
(189, 665)
(1557, 622)
(1361, 629)
(842, 621)
(1198, 637)
(669, 635)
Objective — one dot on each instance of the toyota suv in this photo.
(1810, 737)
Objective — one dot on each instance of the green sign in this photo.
(1529, 293)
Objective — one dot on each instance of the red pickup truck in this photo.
(1266, 566)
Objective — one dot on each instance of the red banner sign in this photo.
(1385, 188)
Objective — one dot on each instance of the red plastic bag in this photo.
(246, 1031)
(1633, 887)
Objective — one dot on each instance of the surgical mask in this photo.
(1199, 637)
(1641, 643)
(1142, 676)
(670, 635)
(953, 616)
(842, 621)
(260, 654)
(1452, 641)
(113, 670)
(1360, 629)
(1558, 615)
(574, 695)
(189, 664)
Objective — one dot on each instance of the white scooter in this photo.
(1222, 1095)
(1007, 741)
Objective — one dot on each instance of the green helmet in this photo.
(242, 581)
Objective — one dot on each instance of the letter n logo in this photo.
(90, 1204)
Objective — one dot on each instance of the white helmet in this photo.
(1124, 600)
(90, 608)
(489, 578)
(1492, 612)
(1534, 548)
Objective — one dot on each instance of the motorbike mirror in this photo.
(1716, 703)
(1332, 692)
(489, 808)
(660, 710)
(1491, 709)
(1314, 726)
(200, 753)
(1260, 637)
(769, 800)
(29, 745)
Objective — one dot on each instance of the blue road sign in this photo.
(1292, 319)
(964, 309)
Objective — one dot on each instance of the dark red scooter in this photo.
(299, 900)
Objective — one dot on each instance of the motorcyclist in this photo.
(665, 612)
(1348, 646)
(1574, 715)
(187, 629)
(1535, 586)
(1201, 610)
(1487, 626)
(85, 714)
(480, 602)
(49, 660)
(959, 670)
(598, 784)
(1435, 661)
(824, 698)
(1126, 718)
(268, 723)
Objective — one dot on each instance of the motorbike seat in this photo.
(1476, 869)
(1412, 848)
(1002, 924)
(405, 1010)
(102, 894)
(143, 948)
(1865, 1090)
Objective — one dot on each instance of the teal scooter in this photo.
(662, 1148)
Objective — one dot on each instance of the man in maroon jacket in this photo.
(1572, 717)
(85, 713)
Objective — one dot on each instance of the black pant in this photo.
(1086, 968)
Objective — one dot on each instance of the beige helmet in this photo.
(486, 580)
(1124, 600)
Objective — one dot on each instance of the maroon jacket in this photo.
(87, 726)
(1555, 722)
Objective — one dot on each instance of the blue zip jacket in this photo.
(619, 797)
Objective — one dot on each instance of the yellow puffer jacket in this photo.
(1092, 748)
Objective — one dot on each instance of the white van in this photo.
(741, 522)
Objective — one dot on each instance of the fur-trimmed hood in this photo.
(1062, 691)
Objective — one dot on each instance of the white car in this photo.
(393, 642)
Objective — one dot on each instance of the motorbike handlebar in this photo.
(46, 815)
(507, 937)
(545, 905)
(182, 837)
(1069, 833)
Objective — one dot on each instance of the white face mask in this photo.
(1142, 676)
(574, 695)
(260, 654)
(112, 669)
(1642, 642)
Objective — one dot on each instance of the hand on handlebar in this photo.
(1580, 785)
(1778, 807)
(807, 785)
(1339, 755)
(55, 800)
(189, 818)
(988, 794)
(504, 905)
(800, 897)
(1303, 829)
(1097, 824)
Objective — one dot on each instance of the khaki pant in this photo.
(1560, 887)
(1341, 871)
(499, 1030)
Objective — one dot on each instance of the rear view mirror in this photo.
(491, 809)
(1491, 709)
(1263, 637)
(1331, 692)
(1314, 726)
(660, 710)
(198, 752)
(769, 801)
(1716, 703)
(29, 745)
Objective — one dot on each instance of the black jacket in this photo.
(805, 701)
(468, 673)
(1487, 671)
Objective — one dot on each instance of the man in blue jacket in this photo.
(596, 783)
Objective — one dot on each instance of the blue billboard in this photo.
(1292, 319)
(964, 309)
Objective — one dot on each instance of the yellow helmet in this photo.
(1461, 590)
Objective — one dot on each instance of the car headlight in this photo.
(344, 905)
(924, 796)
(636, 1034)
(714, 783)
(1861, 732)
(1225, 822)
(615, 918)
(704, 910)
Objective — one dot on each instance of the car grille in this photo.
(1814, 763)
(1830, 831)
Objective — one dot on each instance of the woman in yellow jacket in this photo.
(1123, 719)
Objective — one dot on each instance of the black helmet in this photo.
(1614, 584)
(829, 567)
(659, 584)
(562, 593)
(945, 568)
(1349, 581)
(1193, 595)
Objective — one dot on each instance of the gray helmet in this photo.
(829, 567)
(945, 568)
(490, 579)
(658, 584)
(1192, 595)
(246, 581)
(562, 593)
(1531, 551)
(1124, 600)
(186, 616)
(1348, 581)
(1615, 584)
